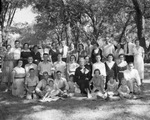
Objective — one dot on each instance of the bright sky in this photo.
(24, 15)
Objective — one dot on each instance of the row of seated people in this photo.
(83, 81)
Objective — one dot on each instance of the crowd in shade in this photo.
(60, 71)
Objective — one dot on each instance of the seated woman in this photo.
(30, 84)
(73, 89)
(111, 69)
(18, 77)
(124, 89)
(112, 87)
(98, 85)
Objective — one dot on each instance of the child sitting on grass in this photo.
(124, 91)
(98, 85)
(73, 89)
(30, 84)
(112, 87)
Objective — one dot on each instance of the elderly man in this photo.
(133, 78)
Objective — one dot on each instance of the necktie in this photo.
(127, 48)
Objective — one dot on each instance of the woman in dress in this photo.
(18, 78)
(121, 66)
(25, 53)
(138, 52)
(53, 52)
(72, 65)
(96, 51)
(111, 69)
(7, 67)
(81, 51)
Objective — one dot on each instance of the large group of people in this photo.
(65, 71)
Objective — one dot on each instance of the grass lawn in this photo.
(12, 108)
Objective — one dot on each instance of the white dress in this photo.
(138, 61)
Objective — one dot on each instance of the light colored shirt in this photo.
(65, 51)
(32, 82)
(45, 67)
(62, 83)
(108, 49)
(42, 84)
(16, 52)
(29, 66)
(60, 66)
(101, 67)
(130, 48)
(133, 74)
(71, 68)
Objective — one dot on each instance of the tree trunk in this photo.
(139, 23)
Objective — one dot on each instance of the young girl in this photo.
(112, 86)
(30, 84)
(124, 89)
(73, 89)
(98, 85)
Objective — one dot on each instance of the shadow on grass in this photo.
(12, 108)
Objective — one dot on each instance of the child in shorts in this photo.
(124, 91)
(30, 84)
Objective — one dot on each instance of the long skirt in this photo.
(18, 87)
(139, 65)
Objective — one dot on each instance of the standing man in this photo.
(45, 66)
(60, 65)
(108, 48)
(128, 49)
(16, 52)
(82, 77)
(64, 51)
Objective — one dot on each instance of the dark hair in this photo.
(17, 41)
(19, 60)
(73, 56)
(95, 43)
(130, 63)
(35, 46)
(136, 41)
(81, 45)
(110, 55)
(71, 76)
(122, 55)
(97, 70)
(25, 44)
(45, 72)
(58, 71)
(31, 69)
(45, 54)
